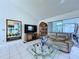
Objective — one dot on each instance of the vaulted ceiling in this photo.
(42, 9)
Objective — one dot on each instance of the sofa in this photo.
(61, 41)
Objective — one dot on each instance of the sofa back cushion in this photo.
(60, 36)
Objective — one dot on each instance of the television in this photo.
(30, 28)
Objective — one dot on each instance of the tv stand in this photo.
(30, 37)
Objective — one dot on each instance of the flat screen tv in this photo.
(30, 28)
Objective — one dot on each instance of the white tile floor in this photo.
(18, 50)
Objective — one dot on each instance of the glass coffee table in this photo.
(42, 52)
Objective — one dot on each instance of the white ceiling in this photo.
(42, 9)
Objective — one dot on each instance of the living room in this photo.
(21, 29)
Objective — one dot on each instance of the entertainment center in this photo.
(30, 32)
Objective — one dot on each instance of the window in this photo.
(49, 26)
(66, 26)
(57, 26)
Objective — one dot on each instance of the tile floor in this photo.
(18, 50)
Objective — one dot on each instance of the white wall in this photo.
(9, 11)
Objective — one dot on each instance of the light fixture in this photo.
(62, 1)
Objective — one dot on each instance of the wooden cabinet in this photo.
(31, 36)
(28, 37)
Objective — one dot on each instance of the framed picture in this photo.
(13, 30)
